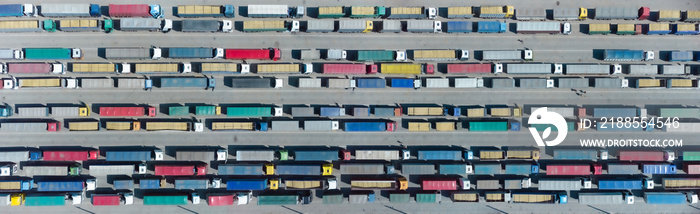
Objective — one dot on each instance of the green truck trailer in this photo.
(488, 126)
(179, 110)
(399, 197)
(427, 197)
(332, 199)
(45, 200)
(691, 156)
(279, 200)
(253, 111)
(207, 110)
(53, 53)
(165, 200)
(381, 55)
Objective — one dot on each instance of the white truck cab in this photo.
(195, 198)
(128, 198)
(219, 53)
(77, 198)
(497, 68)
(527, 54)
(8, 83)
(216, 183)
(198, 126)
(308, 68)
(603, 154)
(648, 183)
(91, 184)
(294, 27)
(18, 54)
(406, 154)
(587, 184)
(649, 55)
(692, 197)
(526, 183)
(226, 26)
(186, 67)
(76, 53)
(70, 83)
(29, 9)
(437, 27)
(417, 83)
(670, 156)
(279, 83)
(278, 112)
(158, 154)
(400, 56)
(617, 69)
(8, 169)
(566, 29)
(469, 169)
(167, 25)
(464, 54)
(143, 169)
(58, 68)
(335, 125)
(157, 53)
(628, 197)
(558, 69)
(431, 12)
(550, 83)
(245, 68)
(353, 83)
(244, 197)
(221, 154)
(332, 183)
(465, 183)
(625, 83)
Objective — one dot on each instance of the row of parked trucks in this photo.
(649, 29)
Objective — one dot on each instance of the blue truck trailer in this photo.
(284, 169)
(402, 83)
(681, 56)
(195, 53)
(184, 184)
(248, 184)
(60, 186)
(521, 169)
(123, 184)
(487, 168)
(625, 184)
(627, 55)
(460, 27)
(491, 27)
(575, 154)
(240, 169)
(9, 10)
(188, 82)
(369, 126)
(151, 183)
(670, 197)
(129, 155)
(440, 155)
(658, 169)
(316, 155)
(454, 169)
(371, 83)
(332, 111)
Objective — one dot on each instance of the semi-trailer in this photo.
(623, 169)
(239, 198)
(103, 170)
(665, 155)
(195, 11)
(564, 184)
(399, 183)
(253, 111)
(51, 126)
(668, 16)
(355, 26)
(93, 68)
(540, 197)
(252, 184)
(625, 184)
(460, 27)
(256, 83)
(381, 55)
(366, 169)
(406, 68)
(331, 12)
(628, 13)
(72, 170)
(574, 169)
(368, 126)
(181, 170)
(464, 196)
(193, 184)
(349, 68)
(412, 13)
(681, 183)
(691, 16)
(428, 197)
(417, 168)
(491, 27)
(488, 126)
(681, 56)
(112, 199)
(454, 155)
(218, 67)
(321, 26)
(367, 11)
(686, 29)
(440, 55)
(134, 155)
(284, 198)
(174, 126)
(468, 68)
(530, 14)
(188, 82)
(444, 184)
(459, 12)
(590, 69)
(425, 111)
(34, 68)
(132, 53)
(123, 125)
(254, 54)
(281, 68)
(310, 183)
(270, 25)
(134, 83)
(658, 169)
(627, 55)
(127, 111)
(62, 185)
(18, 10)
(70, 155)
(391, 26)
(241, 169)
(155, 68)
(455, 169)
(137, 24)
(275, 11)
(53, 53)
(538, 27)
(318, 170)
(423, 26)
(670, 197)
(136, 10)
(255, 155)
(521, 168)
(79, 25)
(70, 10)
(594, 198)
(151, 183)
(404, 83)
(658, 29)
(301, 155)
(382, 154)
(18, 156)
(527, 69)
(169, 199)
(218, 155)
(507, 55)
(496, 11)
(21, 26)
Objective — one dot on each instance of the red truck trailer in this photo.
(692, 168)
(220, 200)
(468, 68)
(349, 68)
(70, 155)
(127, 111)
(646, 156)
(181, 170)
(106, 200)
(129, 10)
(439, 184)
(574, 169)
(259, 54)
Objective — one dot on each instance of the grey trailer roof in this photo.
(601, 198)
(566, 13)
(139, 24)
(488, 184)
(309, 83)
(362, 169)
(437, 83)
(240, 169)
(255, 155)
(391, 26)
(65, 111)
(384, 111)
(189, 25)
(45, 170)
(338, 83)
(530, 13)
(623, 169)
(303, 111)
(529, 68)
(672, 69)
(131, 83)
(310, 54)
(334, 54)
(588, 69)
(285, 126)
(417, 168)
(15, 156)
(502, 83)
(420, 25)
(318, 125)
(643, 69)
(96, 83)
(195, 155)
(532, 83)
(608, 83)
(98, 170)
(320, 26)
(512, 184)
(616, 12)
(358, 198)
(23, 127)
(559, 184)
(352, 26)
(466, 82)
(573, 83)
(127, 53)
(33, 111)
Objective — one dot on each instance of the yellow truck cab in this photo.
(17, 199)
(274, 184)
(218, 110)
(510, 11)
(583, 14)
(403, 183)
(517, 112)
(327, 169)
(84, 111)
(269, 169)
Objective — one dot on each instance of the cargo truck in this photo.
(349, 68)
(174, 126)
(285, 198)
(625, 184)
(406, 68)
(599, 198)
(389, 126)
(627, 55)
(680, 56)
(580, 69)
(668, 16)
(627, 13)
(132, 53)
(686, 29)
(366, 169)
(658, 29)
(496, 12)
(455, 155)
(181, 170)
(195, 184)
(155, 68)
(188, 82)
(218, 155)
(310, 183)
(16, 185)
(539, 27)
(93, 68)
(539, 197)
(171, 199)
(324, 170)
(253, 111)
(275, 11)
(128, 111)
(243, 169)
(531, 14)
(528, 69)
(382, 154)
(70, 155)
(460, 27)
(367, 11)
(123, 125)
(129, 169)
(18, 10)
(580, 154)
(51, 126)
(681, 183)
(424, 26)
(223, 199)
(459, 12)
(65, 185)
(112, 199)
(256, 155)
(239, 126)
(254, 54)
(412, 13)
(321, 26)
(399, 183)
(11, 54)
(53, 53)
(52, 170)
(134, 155)
(468, 68)
(70, 10)
(445, 184)
(283, 68)
(379, 55)
(460, 196)
(34, 68)
(507, 55)
(137, 24)
(355, 26)
(195, 11)
(22, 26)
(18, 156)
(50, 200)
(79, 25)
(440, 55)
(665, 155)
(574, 169)
(271, 25)
(491, 27)
(670, 197)
(658, 169)
(691, 16)
(136, 10)
(564, 184)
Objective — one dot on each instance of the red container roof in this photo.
(641, 156)
(174, 170)
(121, 111)
(220, 200)
(439, 184)
(106, 200)
(263, 54)
(344, 68)
(28, 68)
(129, 10)
(568, 169)
(65, 155)
(468, 68)
(692, 169)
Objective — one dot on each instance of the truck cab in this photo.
(405, 154)
(400, 56)
(603, 154)
(244, 197)
(18, 54)
(269, 169)
(156, 11)
(128, 198)
(294, 26)
(273, 184)
(297, 12)
(563, 198)
(74, 169)
(648, 183)
(669, 155)
(157, 53)
(648, 55)
(8, 169)
(108, 25)
(431, 12)
(558, 68)
(58, 68)
(186, 67)
(198, 126)
(308, 68)
(402, 183)
(195, 198)
(327, 169)
(245, 68)
(465, 183)
(417, 83)
(29, 9)
(158, 154)
(226, 27)
(527, 54)
(76, 53)
(167, 25)
(497, 68)
(332, 183)
(279, 83)
(142, 169)
(617, 69)
(91, 184)
(16, 199)
(692, 197)
(76, 197)
(627, 196)
(221, 154)
(216, 182)
(587, 184)
(463, 54)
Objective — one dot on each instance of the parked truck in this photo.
(274, 11)
(496, 11)
(21, 26)
(53, 53)
(627, 55)
(181, 170)
(349, 68)
(34, 68)
(399, 183)
(79, 25)
(538, 27)
(574, 169)
(406, 68)
(188, 82)
(271, 25)
(123, 125)
(367, 11)
(658, 29)
(382, 154)
(112, 199)
(444, 184)
(381, 55)
(670, 197)
(491, 27)
(194, 184)
(424, 26)
(284, 198)
(16, 185)
(136, 10)
(539, 197)
(440, 55)
(239, 198)
(57, 155)
(324, 170)
(593, 198)
(665, 155)
(195, 11)
(217, 155)
(366, 169)
(254, 54)
(570, 13)
(51, 126)
(564, 184)
(252, 184)
(369, 126)
(412, 13)
(459, 12)
(531, 14)
(507, 55)
(627, 13)
(460, 27)
(64, 185)
(18, 10)
(355, 26)
(169, 199)
(284, 68)
(134, 155)
(156, 68)
(52, 170)
(310, 183)
(137, 24)
(132, 53)
(127, 111)
(70, 10)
